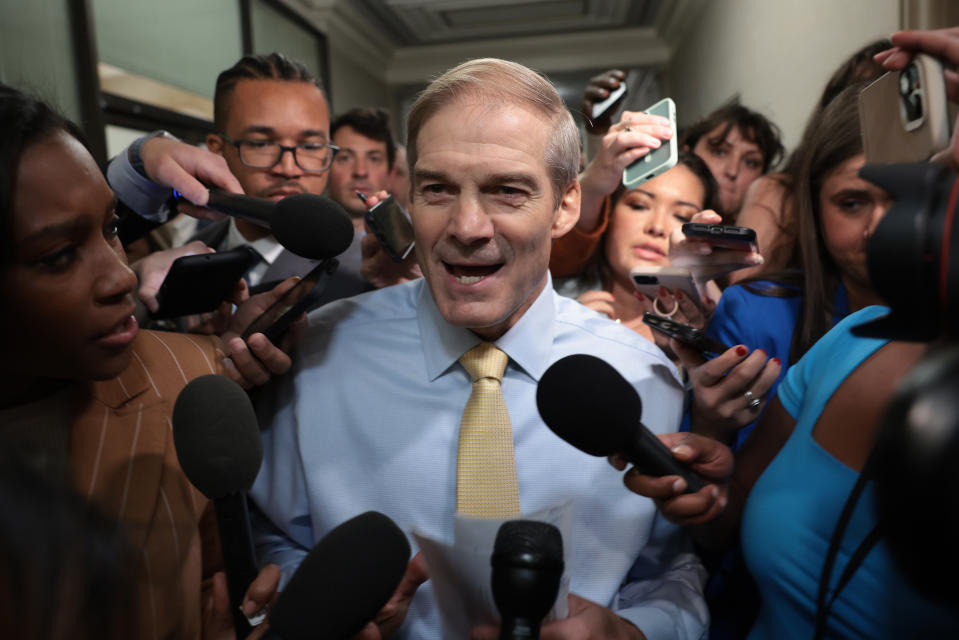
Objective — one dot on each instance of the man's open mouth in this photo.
(471, 274)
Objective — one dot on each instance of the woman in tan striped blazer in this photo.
(85, 394)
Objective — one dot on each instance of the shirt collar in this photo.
(267, 246)
(528, 343)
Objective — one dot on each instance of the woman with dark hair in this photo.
(84, 394)
(738, 145)
(768, 204)
(836, 214)
(641, 221)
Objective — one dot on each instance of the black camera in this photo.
(913, 260)
(913, 256)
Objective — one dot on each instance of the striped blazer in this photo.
(122, 458)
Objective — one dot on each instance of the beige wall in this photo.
(354, 86)
(776, 54)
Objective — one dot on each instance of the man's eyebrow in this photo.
(524, 179)
(421, 175)
(269, 131)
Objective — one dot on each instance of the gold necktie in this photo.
(485, 469)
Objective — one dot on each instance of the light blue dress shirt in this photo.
(369, 419)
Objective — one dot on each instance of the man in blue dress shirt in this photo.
(369, 417)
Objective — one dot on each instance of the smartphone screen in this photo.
(302, 298)
(392, 227)
(658, 160)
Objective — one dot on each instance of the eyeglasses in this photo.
(312, 157)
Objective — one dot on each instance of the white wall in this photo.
(776, 54)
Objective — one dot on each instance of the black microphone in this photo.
(217, 441)
(587, 403)
(343, 582)
(527, 566)
(306, 224)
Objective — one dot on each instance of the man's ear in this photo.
(568, 212)
(214, 143)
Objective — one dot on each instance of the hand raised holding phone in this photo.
(709, 256)
(388, 250)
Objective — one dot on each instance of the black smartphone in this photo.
(614, 98)
(721, 236)
(302, 298)
(391, 226)
(198, 284)
(689, 336)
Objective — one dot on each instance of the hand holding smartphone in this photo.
(648, 280)
(199, 283)
(391, 226)
(659, 160)
(722, 237)
(301, 298)
(689, 336)
(904, 115)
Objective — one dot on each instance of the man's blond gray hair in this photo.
(502, 81)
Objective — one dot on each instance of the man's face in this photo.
(287, 112)
(361, 164)
(483, 212)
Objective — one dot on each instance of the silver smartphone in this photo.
(658, 160)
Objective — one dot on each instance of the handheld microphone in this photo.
(217, 441)
(527, 566)
(344, 581)
(306, 224)
(587, 403)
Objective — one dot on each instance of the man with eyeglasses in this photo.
(272, 125)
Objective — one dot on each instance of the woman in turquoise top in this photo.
(798, 471)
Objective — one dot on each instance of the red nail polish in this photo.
(662, 292)
(777, 360)
(764, 352)
(679, 294)
(741, 350)
(639, 296)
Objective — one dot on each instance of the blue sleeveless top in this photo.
(793, 509)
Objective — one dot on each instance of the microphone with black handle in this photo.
(218, 443)
(306, 224)
(587, 403)
(344, 581)
(527, 566)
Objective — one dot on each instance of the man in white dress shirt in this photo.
(369, 417)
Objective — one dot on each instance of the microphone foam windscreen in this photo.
(311, 226)
(344, 581)
(587, 403)
(216, 436)
(528, 542)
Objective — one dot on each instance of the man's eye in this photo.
(434, 188)
(258, 144)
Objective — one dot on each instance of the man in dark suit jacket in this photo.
(272, 130)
